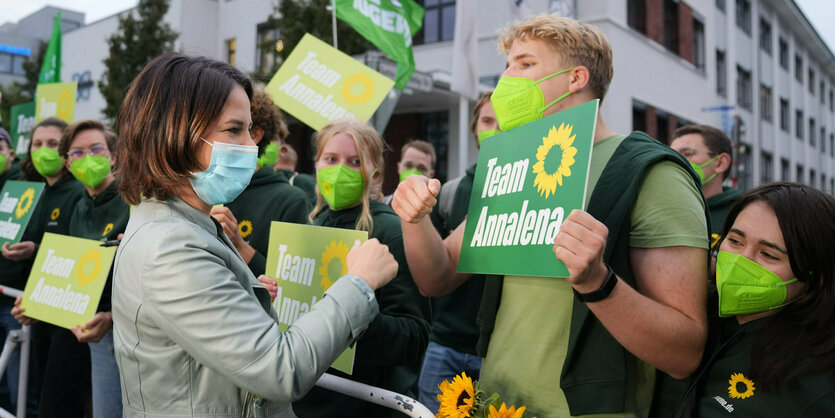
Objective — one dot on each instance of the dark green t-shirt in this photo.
(269, 197)
(389, 353)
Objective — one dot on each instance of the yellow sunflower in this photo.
(28, 196)
(457, 398)
(55, 214)
(365, 88)
(546, 182)
(741, 387)
(334, 251)
(245, 228)
(92, 256)
(503, 412)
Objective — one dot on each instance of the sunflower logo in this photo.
(55, 214)
(714, 239)
(503, 412)
(457, 398)
(334, 251)
(89, 266)
(554, 159)
(245, 228)
(358, 88)
(327, 188)
(28, 196)
(64, 105)
(107, 229)
(741, 387)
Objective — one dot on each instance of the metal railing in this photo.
(387, 398)
(14, 338)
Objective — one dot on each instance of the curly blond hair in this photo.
(577, 43)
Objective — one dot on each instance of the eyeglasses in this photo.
(689, 152)
(76, 153)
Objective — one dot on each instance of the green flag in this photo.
(389, 25)
(51, 68)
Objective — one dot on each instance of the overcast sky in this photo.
(820, 12)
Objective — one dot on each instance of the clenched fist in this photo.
(415, 198)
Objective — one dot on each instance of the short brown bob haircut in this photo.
(73, 130)
(170, 104)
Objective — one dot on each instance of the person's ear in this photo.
(723, 163)
(578, 79)
(257, 134)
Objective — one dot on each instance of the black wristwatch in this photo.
(602, 292)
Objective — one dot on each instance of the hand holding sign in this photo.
(17, 313)
(372, 262)
(95, 329)
(579, 245)
(20, 251)
(415, 198)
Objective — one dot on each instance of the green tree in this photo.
(16, 93)
(137, 41)
(297, 17)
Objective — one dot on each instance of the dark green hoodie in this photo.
(269, 197)
(390, 352)
(719, 205)
(305, 182)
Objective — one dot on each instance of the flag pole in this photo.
(333, 20)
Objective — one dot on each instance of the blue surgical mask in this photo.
(228, 174)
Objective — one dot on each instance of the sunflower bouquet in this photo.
(462, 398)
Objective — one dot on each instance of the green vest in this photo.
(594, 374)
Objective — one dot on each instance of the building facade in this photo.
(755, 68)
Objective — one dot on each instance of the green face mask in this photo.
(700, 169)
(91, 170)
(2, 163)
(410, 172)
(519, 100)
(270, 156)
(46, 161)
(487, 133)
(340, 186)
(746, 287)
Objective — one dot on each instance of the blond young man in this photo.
(637, 258)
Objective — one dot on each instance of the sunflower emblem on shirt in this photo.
(740, 387)
(554, 159)
(55, 214)
(245, 228)
(107, 229)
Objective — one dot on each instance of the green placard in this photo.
(56, 99)
(23, 120)
(305, 260)
(318, 83)
(67, 280)
(17, 202)
(527, 181)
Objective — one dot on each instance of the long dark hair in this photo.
(797, 340)
(27, 167)
(168, 106)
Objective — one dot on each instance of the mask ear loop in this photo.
(568, 93)
(702, 166)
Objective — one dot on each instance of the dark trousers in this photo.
(62, 367)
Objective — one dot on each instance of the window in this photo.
(743, 88)
(699, 44)
(765, 35)
(822, 92)
(812, 131)
(798, 124)
(671, 25)
(17, 64)
(832, 145)
(438, 22)
(720, 4)
(784, 54)
(823, 140)
(231, 50)
(268, 44)
(766, 167)
(831, 100)
(639, 116)
(812, 177)
(721, 74)
(636, 15)
(798, 68)
(743, 15)
(766, 112)
(784, 170)
(784, 114)
(5, 62)
(812, 81)
(799, 176)
(662, 126)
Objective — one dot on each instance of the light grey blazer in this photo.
(194, 331)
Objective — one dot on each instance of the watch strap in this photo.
(602, 292)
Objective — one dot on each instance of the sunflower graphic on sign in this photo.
(28, 196)
(89, 267)
(335, 251)
(358, 88)
(554, 159)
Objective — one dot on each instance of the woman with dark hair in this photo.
(775, 279)
(194, 331)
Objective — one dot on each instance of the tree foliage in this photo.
(16, 93)
(297, 17)
(141, 37)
